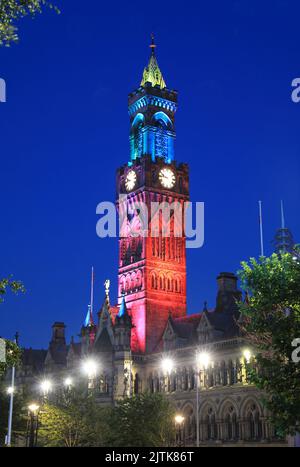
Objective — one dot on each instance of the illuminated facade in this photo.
(150, 323)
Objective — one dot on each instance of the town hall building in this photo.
(147, 341)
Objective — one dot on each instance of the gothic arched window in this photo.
(212, 429)
(231, 424)
(137, 136)
(254, 423)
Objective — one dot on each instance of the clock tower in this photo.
(152, 263)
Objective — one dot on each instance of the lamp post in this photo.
(11, 400)
(203, 360)
(179, 420)
(33, 410)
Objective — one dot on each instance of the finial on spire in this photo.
(107, 285)
(152, 45)
(205, 306)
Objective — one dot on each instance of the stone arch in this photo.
(208, 421)
(162, 282)
(132, 280)
(170, 282)
(128, 283)
(136, 136)
(252, 419)
(122, 285)
(138, 121)
(188, 412)
(207, 404)
(139, 279)
(248, 401)
(225, 403)
(153, 279)
(229, 417)
(162, 119)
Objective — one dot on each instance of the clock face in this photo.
(167, 178)
(130, 180)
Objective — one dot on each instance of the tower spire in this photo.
(152, 73)
(89, 321)
(282, 215)
(123, 308)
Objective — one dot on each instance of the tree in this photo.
(145, 420)
(12, 351)
(8, 283)
(13, 10)
(71, 422)
(271, 321)
(13, 355)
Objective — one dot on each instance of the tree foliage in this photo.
(13, 355)
(13, 10)
(71, 422)
(145, 420)
(12, 351)
(9, 283)
(271, 321)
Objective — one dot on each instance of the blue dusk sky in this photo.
(64, 131)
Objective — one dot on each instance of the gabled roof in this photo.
(105, 322)
(58, 354)
(34, 358)
(75, 348)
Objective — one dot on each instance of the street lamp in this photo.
(247, 355)
(203, 360)
(179, 420)
(68, 382)
(10, 390)
(90, 368)
(167, 365)
(33, 424)
(46, 386)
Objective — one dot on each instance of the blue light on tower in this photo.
(151, 110)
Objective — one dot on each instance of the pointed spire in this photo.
(89, 318)
(152, 73)
(205, 306)
(123, 308)
(282, 215)
(92, 293)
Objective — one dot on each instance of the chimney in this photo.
(228, 293)
(58, 333)
(227, 282)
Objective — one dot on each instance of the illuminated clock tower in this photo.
(152, 267)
